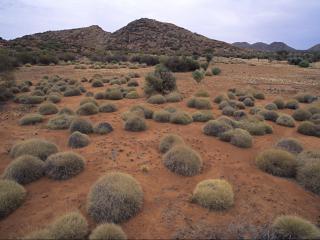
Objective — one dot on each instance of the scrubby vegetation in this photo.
(173, 97)
(183, 160)
(88, 109)
(64, 165)
(48, 108)
(161, 116)
(157, 99)
(285, 120)
(135, 124)
(309, 128)
(60, 122)
(301, 115)
(216, 71)
(199, 103)
(215, 194)
(103, 128)
(108, 231)
(202, 116)
(169, 141)
(31, 119)
(116, 197)
(216, 128)
(108, 108)
(180, 117)
(81, 125)
(78, 140)
(290, 144)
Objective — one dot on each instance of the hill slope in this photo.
(315, 48)
(260, 46)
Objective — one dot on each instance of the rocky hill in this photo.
(315, 48)
(260, 46)
(147, 35)
(3, 42)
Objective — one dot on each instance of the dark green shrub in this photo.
(12, 195)
(309, 129)
(293, 227)
(269, 115)
(259, 95)
(201, 93)
(218, 99)
(24, 169)
(64, 165)
(280, 103)
(290, 144)
(255, 127)
(216, 71)
(108, 107)
(60, 122)
(157, 99)
(88, 100)
(81, 125)
(114, 94)
(116, 197)
(31, 119)
(199, 103)
(228, 111)
(292, 104)
(301, 115)
(271, 106)
(100, 95)
(304, 64)
(169, 141)
(180, 117)
(72, 92)
(214, 194)
(216, 128)
(241, 138)
(248, 102)
(34, 147)
(97, 83)
(135, 124)
(315, 118)
(48, 108)
(133, 83)
(308, 174)
(78, 140)
(161, 116)
(180, 64)
(198, 75)
(285, 120)
(132, 95)
(54, 98)
(108, 231)
(26, 99)
(305, 98)
(88, 109)
(240, 114)
(183, 160)
(66, 111)
(173, 97)
(202, 116)
(148, 113)
(103, 128)
(277, 162)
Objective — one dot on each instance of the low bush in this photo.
(26, 99)
(215, 71)
(240, 114)
(315, 118)
(161, 116)
(255, 127)
(97, 83)
(108, 231)
(70, 92)
(228, 111)
(89, 100)
(60, 122)
(48, 108)
(103, 128)
(169, 141)
(81, 125)
(132, 83)
(99, 95)
(301, 115)
(218, 99)
(78, 140)
(135, 124)
(157, 99)
(259, 95)
(114, 94)
(199, 103)
(277, 162)
(292, 104)
(241, 138)
(64, 165)
(269, 115)
(180, 64)
(88, 109)
(308, 156)
(308, 174)
(116, 197)
(202, 116)
(147, 112)
(285, 120)
(279, 102)
(180, 117)
(183, 160)
(24, 169)
(305, 98)
(173, 97)
(248, 102)
(290, 144)
(214, 194)
(201, 93)
(293, 227)
(31, 119)
(216, 128)
(108, 107)
(132, 95)
(66, 111)
(198, 75)
(304, 64)
(271, 107)
(12, 195)
(34, 147)
(54, 98)
(309, 128)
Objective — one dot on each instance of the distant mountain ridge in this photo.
(260, 46)
(315, 48)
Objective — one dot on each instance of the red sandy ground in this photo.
(259, 197)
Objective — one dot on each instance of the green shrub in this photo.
(308, 175)
(54, 98)
(60, 122)
(259, 95)
(31, 119)
(161, 116)
(271, 107)
(132, 95)
(218, 99)
(148, 113)
(241, 138)
(114, 94)
(214, 194)
(248, 102)
(180, 117)
(48, 108)
(135, 124)
(78, 140)
(88, 100)
(103, 128)
(169, 141)
(304, 64)
(305, 98)
(64, 165)
(24, 169)
(97, 83)
(315, 118)
(66, 111)
(170, 109)
(293, 227)
(108, 231)
(285, 120)
(72, 92)
(198, 75)
(157, 99)
(292, 104)
(309, 129)
(34, 147)
(81, 125)
(215, 128)
(183, 160)
(201, 93)
(12, 195)
(269, 115)
(254, 127)
(308, 156)
(25, 99)
(133, 83)
(160, 81)
(88, 109)
(290, 144)
(199, 103)
(180, 64)
(240, 114)
(215, 71)
(301, 115)
(228, 111)
(116, 197)
(108, 107)
(202, 116)
(100, 95)
(277, 162)
(280, 103)
(173, 97)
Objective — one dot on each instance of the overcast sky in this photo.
(295, 22)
